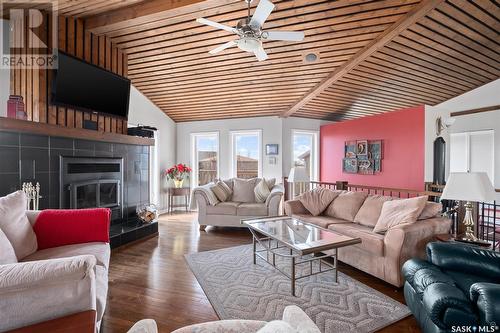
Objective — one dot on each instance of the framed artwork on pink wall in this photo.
(363, 157)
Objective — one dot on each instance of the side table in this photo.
(178, 192)
(451, 238)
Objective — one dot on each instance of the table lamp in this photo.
(298, 175)
(469, 187)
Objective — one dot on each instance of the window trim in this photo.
(233, 135)
(315, 134)
(194, 163)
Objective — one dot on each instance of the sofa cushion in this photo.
(399, 212)
(243, 190)
(261, 191)
(370, 210)
(320, 221)
(7, 253)
(15, 225)
(431, 209)
(370, 241)
(346, 205)
(252, 209)
(223, 208)
(100, 251)
(222, 191)
(316, 200)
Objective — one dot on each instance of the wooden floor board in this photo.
(150, 279)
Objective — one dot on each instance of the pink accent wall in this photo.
(403, 134)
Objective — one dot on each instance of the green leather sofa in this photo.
(456, 289)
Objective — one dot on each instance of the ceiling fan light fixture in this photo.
(249, 44)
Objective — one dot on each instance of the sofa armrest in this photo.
(466, 258)
(447, 306)
(299, 320)
(409, 241)
(46, 289)
(487, 298)
(293, 207)
(203, 196)
(274, 199)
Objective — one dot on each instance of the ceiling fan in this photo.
(250, 31)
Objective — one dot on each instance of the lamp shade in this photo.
(469, 186)
(298, 174)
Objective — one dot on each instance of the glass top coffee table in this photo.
(300, 242)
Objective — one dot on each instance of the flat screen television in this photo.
(83, 86)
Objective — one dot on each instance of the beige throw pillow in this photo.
(243, 190)
(317, 200)
(369, 212)
(262, 191)
(432, 209)
(399, 212)
(15, 225)
(7, 254)
(270, 183)
(346, 205)
(222, 191)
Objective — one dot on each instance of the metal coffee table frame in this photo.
(294, 255)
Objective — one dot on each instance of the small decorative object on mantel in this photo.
(178, 173)
(147, 213)
(33, 195)
(363, 157)
(15, 108)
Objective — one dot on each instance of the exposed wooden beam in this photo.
(147, 11)
(415, 14)
(473, 111)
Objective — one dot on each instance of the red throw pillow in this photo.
(58, 227)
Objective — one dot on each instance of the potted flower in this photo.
(178, 173)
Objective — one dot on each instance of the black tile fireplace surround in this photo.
(36, 158)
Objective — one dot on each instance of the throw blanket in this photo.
(58, 227)
(207, 193)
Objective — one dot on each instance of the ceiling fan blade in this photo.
(261, 14)
(292, 36)
(223, 47)
(261, 54)
(215, 24)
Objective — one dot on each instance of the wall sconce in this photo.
(443, 124)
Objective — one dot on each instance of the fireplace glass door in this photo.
(94, 194)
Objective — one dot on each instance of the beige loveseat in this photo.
(239, 206)
(53, 283)
(381, 255)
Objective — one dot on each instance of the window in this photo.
(246, 154)
(305, 151)
(205, 157)
(473, 152)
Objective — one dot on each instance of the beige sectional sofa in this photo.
(381, 255)
(242, 204)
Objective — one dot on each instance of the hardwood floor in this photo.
(150, 279)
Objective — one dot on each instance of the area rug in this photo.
(238, 289)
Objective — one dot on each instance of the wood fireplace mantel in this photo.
(16, 125)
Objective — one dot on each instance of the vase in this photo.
(178, 183)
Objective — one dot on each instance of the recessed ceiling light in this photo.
(311, 57)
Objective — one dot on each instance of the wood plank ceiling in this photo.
(451, 50)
